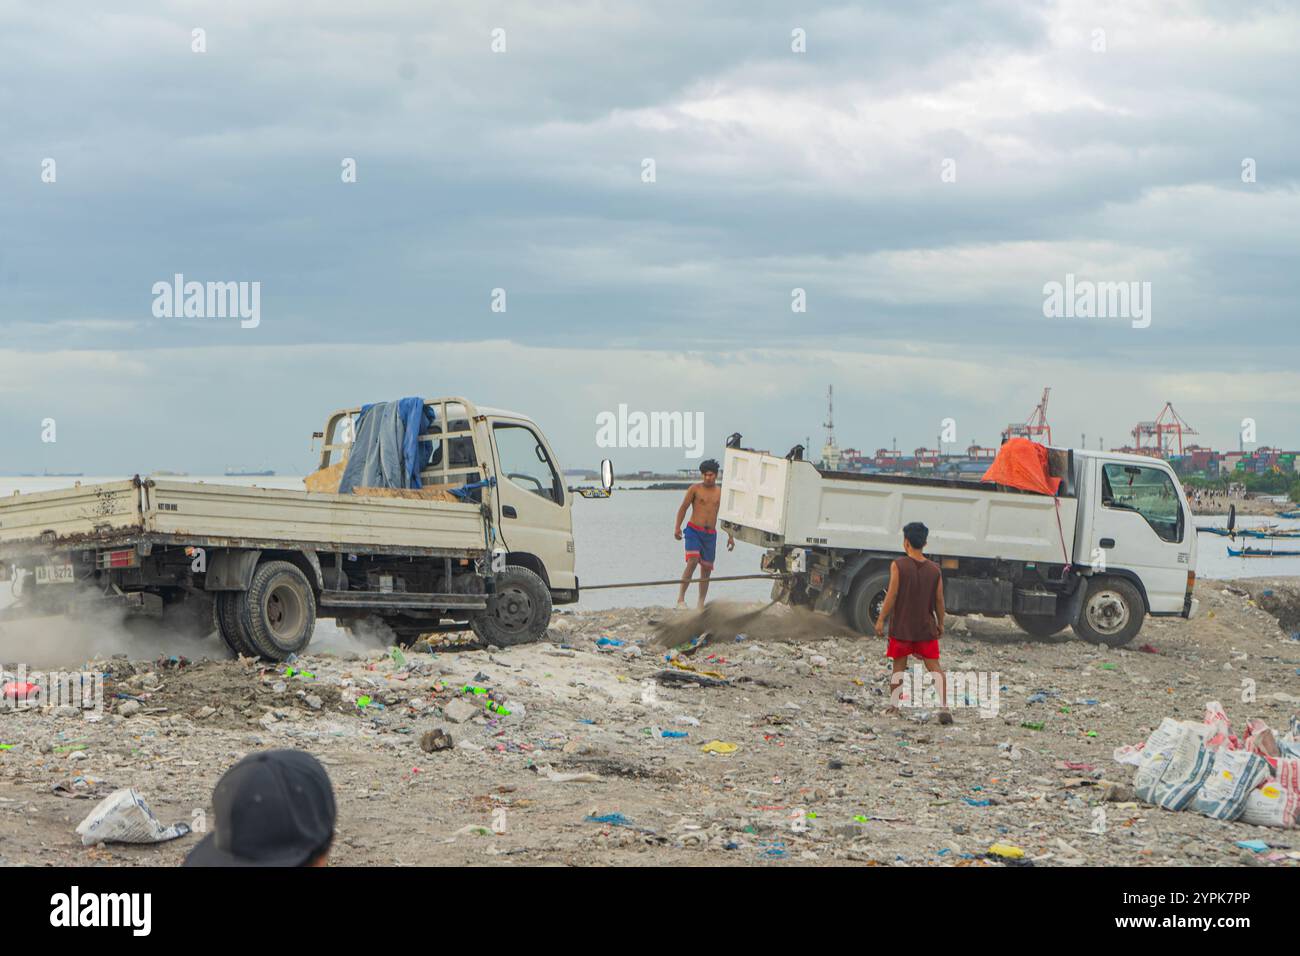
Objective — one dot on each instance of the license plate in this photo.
(55, 573)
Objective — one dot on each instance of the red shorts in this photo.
(926, 649)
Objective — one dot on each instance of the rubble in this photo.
(581, 763)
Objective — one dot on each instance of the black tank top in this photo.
(913, 617)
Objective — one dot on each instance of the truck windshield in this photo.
(1148, 491)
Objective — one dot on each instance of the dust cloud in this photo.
(93, 629)
(724, 620)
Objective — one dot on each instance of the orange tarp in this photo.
(1022, 463)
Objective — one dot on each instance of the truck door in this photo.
(1141, 523)
(534, 514)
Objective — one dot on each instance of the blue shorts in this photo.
(701, 543)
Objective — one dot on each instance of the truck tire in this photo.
(518, 613)
(225, 614)
(1041, 625)
(862, 607)
(1111, 612)
(278, 611)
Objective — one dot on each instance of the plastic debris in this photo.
(719, 747)
(612, 819)
(124, 817)
(20, 690)
(1007, 851)
(555, 777)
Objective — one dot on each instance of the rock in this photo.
(129, 708)
(204, 713)
(436, 740)
(66, 710)
(313, 701)
(459, 711)
(268, 721)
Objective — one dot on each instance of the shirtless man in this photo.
(701, 535)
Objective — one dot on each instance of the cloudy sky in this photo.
(921, 171)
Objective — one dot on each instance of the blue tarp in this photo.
(386, 449)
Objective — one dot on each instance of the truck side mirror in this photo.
(607, 475)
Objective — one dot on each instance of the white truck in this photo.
(259, 565)
(1116, 543)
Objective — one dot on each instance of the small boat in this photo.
(1257, 553)
(1267, 533)
(1289, 514)
(1222, 532)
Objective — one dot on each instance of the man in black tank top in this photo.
(914, 608)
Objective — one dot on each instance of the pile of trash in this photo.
(1206, 768)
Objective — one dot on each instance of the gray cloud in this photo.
(522, 171)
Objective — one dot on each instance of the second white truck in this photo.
(1116, 544)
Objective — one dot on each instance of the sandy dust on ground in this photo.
(818, 773)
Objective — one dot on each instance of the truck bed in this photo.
(228, 515)
(771, 501)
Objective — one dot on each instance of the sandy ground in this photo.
(818, 774)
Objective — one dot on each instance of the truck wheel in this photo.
(1111, 614)
(518, 613)
(862, 608)
(1041, 625)
(225, 614)
(278, 611)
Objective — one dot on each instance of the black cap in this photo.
(273, 808)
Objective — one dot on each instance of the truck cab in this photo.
(521, 482)
(1137, 524)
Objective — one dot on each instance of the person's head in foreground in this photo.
(273, 808)
(915, 535)
(709, 472)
